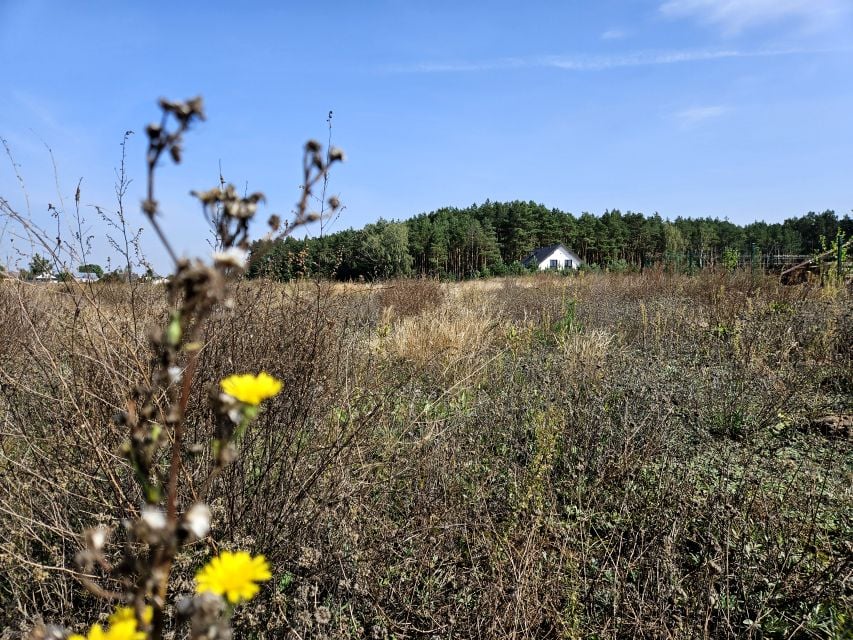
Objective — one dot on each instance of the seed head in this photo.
(197, 519)
(154, 518)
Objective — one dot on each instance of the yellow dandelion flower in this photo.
(124, 614)
(233, 575)
(124, 630)
(251, 389)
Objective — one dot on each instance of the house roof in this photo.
(542, 253)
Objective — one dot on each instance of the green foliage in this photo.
(832, 256)
(39, 266)
(568, 322)
(619, 265)
(91, 268)
(494, 237)
(731, 258)
(118, 275)
(384, 249)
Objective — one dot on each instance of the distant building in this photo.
(87, 277)
(556, 257)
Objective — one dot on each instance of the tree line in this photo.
(494, 237)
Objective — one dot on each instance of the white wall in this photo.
(560, 255)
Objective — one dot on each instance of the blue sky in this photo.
(731, 108)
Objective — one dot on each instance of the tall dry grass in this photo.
(600, 456)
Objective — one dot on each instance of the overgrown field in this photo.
(602, 456)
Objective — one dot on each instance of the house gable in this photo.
(555, 256)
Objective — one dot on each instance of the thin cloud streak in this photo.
(696, 115)
(601, 63)
(46, 123)
(734, 16)
(614, 34)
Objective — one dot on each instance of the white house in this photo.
(557, 257)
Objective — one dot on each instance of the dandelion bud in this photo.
(173, 331)
(313, 146)
(197, 519)
(206, 197)
(205, 617)
(336, 155)
(174, 374)
(334, 202)
(154, 518)
(96, 538)
(185, 607)
(196, 106)
(175, 152)
(149, 207)
(236, 415)
(233, 257)
(153, 130)
(274, 222)
(247, 209)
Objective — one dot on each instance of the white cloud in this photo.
(696, 115)
(600, 63)
(614, 34)
(734, 16)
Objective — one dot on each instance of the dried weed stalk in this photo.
(154, 419)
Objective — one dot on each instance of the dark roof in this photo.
(543, 252)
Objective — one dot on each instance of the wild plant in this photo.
(153, 421)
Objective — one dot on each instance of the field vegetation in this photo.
(598, 456)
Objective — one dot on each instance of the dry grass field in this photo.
(601, 456)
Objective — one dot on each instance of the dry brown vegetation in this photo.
(545, 457)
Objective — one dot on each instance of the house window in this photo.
(554, 263)
(568, 264)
